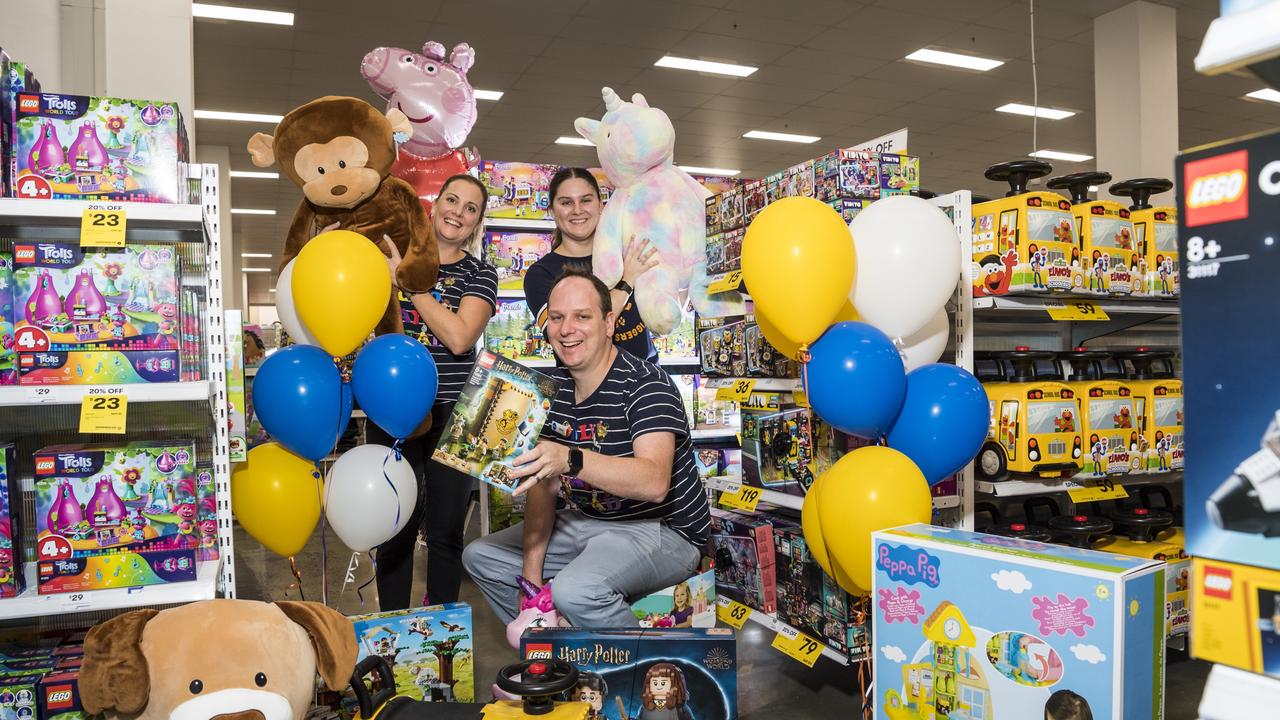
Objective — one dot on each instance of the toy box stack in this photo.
(742, 548)
(15, 79)
(680, 673)
(518, 190)
(1228, 214)
(106, 316)
(810, 600)
(8, 353)
(40, 679)
(99, 148)
(785, 447)
(513, 253)
(973, 625)
(429, 648)
(115, 515)
(12, 579)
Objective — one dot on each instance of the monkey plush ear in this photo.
(399, 121)
(261, 150)
(115, 675)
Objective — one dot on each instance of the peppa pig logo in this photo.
(903, 563)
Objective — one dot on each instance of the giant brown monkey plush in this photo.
(339, 150)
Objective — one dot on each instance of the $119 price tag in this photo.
(731, 612)
(744, 499)
(797, 646)
(104, 413)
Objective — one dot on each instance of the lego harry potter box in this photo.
(677, 673)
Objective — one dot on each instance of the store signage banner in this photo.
(894, 142)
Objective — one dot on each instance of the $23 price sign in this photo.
(102, 226)
(105, 413)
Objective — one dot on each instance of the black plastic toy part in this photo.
(1017, 173)
(1078, 184)
(1021, 366)
(1086, 364)
(1149, 364)
(1031, 508)
(992, 514)
(541, 681)
(926, 194)
(1080, 530)
(1140, 524)
(369, 701)
(1148, 493)
(1140, 190)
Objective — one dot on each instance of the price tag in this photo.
(737, 391)
(102, 226)
(104, 413)
(1095, 490)
(744, 499)
(1075, 310)
(726, 283)
(731, 612)
(728, 483)
(800, 398)
(799, 647)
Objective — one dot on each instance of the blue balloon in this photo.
(299, 400)
(855, 379)
(395, 382)
(944, 420)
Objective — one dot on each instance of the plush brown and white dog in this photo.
(216, 660)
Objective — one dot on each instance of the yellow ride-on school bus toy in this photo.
(1107, 415)
(1024, 242)
(1035, 427)
(1108, 250)
(1157, 399)
(1157, 231)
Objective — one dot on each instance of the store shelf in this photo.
(731, 483)
(31, 604)
(773, 623)
(1112, 306)
(17, 395)
(1019, 488)
(518, 224)
(713, 434)
(761, 384)
(60, 220)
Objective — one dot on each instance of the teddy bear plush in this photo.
(653, 200)
(339, 151)
(229, 659)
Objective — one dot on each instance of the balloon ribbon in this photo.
(324, 545)
(297, 575)
(395, 450)
(373, 559)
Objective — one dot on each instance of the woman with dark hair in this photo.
(576, 205)
(449, 321)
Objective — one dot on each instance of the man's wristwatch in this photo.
(624, 287)
(575, 461)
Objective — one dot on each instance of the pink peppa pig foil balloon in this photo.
(434, 93)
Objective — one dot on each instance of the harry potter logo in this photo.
(598, 654)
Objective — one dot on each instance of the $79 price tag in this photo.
(798, 646)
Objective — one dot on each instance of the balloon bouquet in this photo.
(304, 402)
(866, 316)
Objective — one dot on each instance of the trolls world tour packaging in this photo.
(968, 625)
(12, 579)
(655, 673)
(428, 648)
(498, 416)
(8, 356)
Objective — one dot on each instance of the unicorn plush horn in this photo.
(611, 100)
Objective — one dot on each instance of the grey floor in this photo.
(770, 685)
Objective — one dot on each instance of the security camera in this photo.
(1249, 500)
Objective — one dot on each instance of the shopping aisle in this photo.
(771, 686)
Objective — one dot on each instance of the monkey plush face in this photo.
(337, 149)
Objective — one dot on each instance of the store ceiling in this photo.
(831, 68)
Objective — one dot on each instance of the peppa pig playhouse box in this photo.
(115, 515)
(99, 148)
(69, 302)
(969, 625)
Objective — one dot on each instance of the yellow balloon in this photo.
(780, 342)
(276, 497)
(811, 523)
(798, 263)
(341, 287)
(871, 488)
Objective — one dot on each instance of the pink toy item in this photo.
(84, 299)
(657, 201)
(44, 304)
(65, 513)
(87, 151)
(46, 155)
(434, 93)
(105, 507)
(536, 610)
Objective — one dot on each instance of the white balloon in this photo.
(288, 313)
(925, 345)
(362, 507)
(908, 263)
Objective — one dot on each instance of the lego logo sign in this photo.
(24, 253)
(58, 697)
(537, 651)
(1217, 582)
(46, 466)
(1217, 189)
(28, 103)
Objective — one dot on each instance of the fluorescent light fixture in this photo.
(255, 255)
(1052, 155)
(1268, 94)
(252, 211)
(487, 94)
(255, 174)
(241, 116)
(784, 137)
(705, 66)
(271, 289)
(719, 172)
(247, 270)
(968, 62)
(1031, 111)
(227, 12)
(567, 140)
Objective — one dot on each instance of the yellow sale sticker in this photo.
(102, 227)
(1075, 310)
(104, 414)
(737, 391)
(732, 612)
(745, 499)
(726, 283)
(1095, 490)
(799, 647)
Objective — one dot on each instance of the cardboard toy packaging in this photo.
(679, 346)
(12, 578)
(810, 600)
(691, 672)
(430, 649)
(742, 548)
(513, 334)
(513, 253)
(969, 625)
(15, 79)
(98, 367)
(518, 190)
(691, 603)
(18, 694)
(1236, 615)
(99, 148)
(59, 696)
(8, 351)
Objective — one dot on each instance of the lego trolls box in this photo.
(668, 673)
